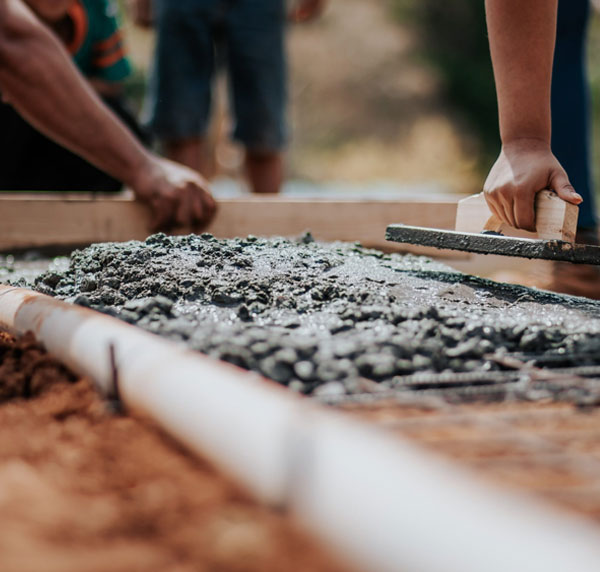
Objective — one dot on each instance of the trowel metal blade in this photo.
(494, 244)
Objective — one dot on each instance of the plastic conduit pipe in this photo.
(382, 503)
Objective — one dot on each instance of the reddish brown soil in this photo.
(26, 370)
(84, 490)
(550, 450)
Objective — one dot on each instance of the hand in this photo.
(141, 12)
(306, 10)
(525, 167)
(176, 195)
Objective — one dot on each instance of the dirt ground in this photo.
(85, 490)
(545, 449)
(503, 379)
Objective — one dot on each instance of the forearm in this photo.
(522, 35)
(40, 81)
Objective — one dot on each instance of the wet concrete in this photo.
(29, 265)
(321, 318)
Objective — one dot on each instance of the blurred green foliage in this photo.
(453, 39)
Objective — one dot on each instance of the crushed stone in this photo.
(309, 314)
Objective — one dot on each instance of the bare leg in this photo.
(192, 152)
(265, 171)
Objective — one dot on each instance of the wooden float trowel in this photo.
(477, 230)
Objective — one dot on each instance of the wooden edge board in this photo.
(38, 220)
(127, 196)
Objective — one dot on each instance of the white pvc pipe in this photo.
(383, 503)
(240, 426)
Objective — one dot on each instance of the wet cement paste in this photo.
(322, 318)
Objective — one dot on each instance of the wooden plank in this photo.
(36, 220)
(555, 219)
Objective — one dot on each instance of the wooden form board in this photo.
(36, 220)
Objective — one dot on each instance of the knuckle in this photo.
(492, 196)
(503, 191)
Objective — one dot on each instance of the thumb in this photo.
(560, 184)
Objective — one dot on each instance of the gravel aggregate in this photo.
(321, 317)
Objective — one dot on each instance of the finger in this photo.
(184, 212)
(492, 204)
(560, 184)
(198, 211)
(210, 206)
(508, 210)
(509, 216)
(524, 212)
(160, 220)
(162, 214)
(498, 213)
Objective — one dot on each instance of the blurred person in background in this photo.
(90, 31)
(538, 52)
(571, 141)
(39, 79)
(194, 37)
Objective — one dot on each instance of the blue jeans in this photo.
(194, 38)
(571, 134)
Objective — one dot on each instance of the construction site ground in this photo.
(84, 488)
(550, 450)
(501, 379)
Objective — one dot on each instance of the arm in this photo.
(522, 46)
(38, 78)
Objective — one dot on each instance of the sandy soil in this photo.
(85, 490)
(546, 449)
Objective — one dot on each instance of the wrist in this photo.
(141, 173)
(523, 144)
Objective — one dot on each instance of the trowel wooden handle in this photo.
(555, 219)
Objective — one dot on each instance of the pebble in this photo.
(321, 316)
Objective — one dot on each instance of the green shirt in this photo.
(97, 43)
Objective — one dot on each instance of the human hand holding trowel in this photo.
(524, 168)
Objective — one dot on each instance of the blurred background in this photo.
(385, 93)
